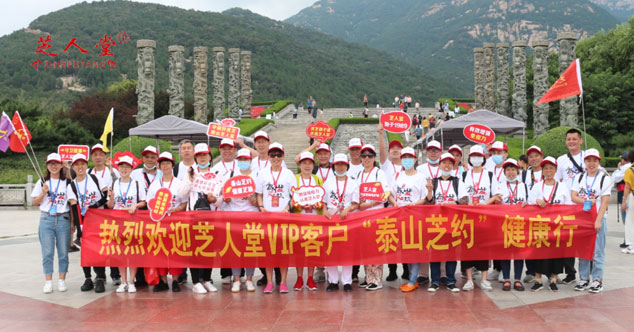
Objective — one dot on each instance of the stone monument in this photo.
(219, 82)
(176, 89)
(478, 76)
(234, 83)
(245, 75)
(145, 86)
(200, 84)
(568, 107)
(540, 86)
(519, 81)
(489, 76)
(502, 106)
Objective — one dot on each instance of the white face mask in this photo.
(477, 161)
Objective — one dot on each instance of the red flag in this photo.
(21, 133)
(568, 85)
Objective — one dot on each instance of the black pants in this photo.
(100, 271)
(277, 272)
(569, 266)
(497, 265)
(200, 275)
(392, 268)
(355, 271)
(530, 266)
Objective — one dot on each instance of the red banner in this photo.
(396, 122)
(256, 111)
(479, 133)
(391, 235)
(320, 130)
(67, 151)
(372, 191)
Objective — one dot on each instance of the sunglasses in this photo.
(367, 155)
(276, 155)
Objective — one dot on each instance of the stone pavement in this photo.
(23, 306)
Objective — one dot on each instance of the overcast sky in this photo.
(17, 15)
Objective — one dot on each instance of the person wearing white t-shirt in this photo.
(354, 150)
(103, 170)
(459, 168)
(476, 188)
(592, 188)
(444, 191)
(148, 172)
(545, 193)
(499, 153)
(261, 142)
(273, 188)
(186, 153)
(342, 197)
(533, 175)
(430, 169)
(511, 191)
(572, 163)
(126, 194)
(52, 194)
(180, 192)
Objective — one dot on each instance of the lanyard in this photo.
(592, 186)
(367, 177)
(103, 173)
(443, 191)
(275, 179)
(53, 195)
(153, 178)
(265, 163)
(169, 185)
(457, 170)
(82, 198)
(476, 187)
(310, 180)
(322, 174)
(124, 198)
(437, 171)
(233, 167)
(552, 192)
(340, 195)
(498, 175)
(512, 193)
(394, 168)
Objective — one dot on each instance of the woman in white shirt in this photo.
(52, 194)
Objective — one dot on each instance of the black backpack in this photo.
(104, 197)
(454, 184)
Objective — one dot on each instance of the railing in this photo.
(17, 194)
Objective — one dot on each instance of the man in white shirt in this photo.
(354, 150)
(430, 169)
(618, 177)
(148, 172)
(186, 152)
(534, 172)
(260, 161)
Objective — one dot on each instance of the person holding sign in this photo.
(200, 200)
(273, 188)
(126, 194)
(372, 174)
(249, 203)
(342, 197)
(476, 188)
(592, 188)
(548, 192)
(52, 194)
(307, 179)
(179, 192)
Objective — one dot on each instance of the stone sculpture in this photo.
(145, 85)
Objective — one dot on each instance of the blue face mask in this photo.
(511, 180)
(408, 163)
(244, 165)
(342, 174)
(497, 159)
(433, 162)
(204, 166)
(445, 173)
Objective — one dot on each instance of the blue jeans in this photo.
(54, 231)
(249, 272)
(518, 265)
(597, 260)
(450, 269)
(413, 272)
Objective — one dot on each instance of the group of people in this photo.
(484, 176)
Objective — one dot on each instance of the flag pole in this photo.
(28, 141)
(583, 115)
(37, 170)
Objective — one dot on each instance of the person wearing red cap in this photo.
(592, 188)
(511, 192)
(148, 173)
(322, 167)
(261, 142)
(534, 173)
(99, 159)
(499, 153)
(52, 193)
(459, 168)
(126, 194)
(430, 169)
(548, 192)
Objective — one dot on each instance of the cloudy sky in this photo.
(17, 15)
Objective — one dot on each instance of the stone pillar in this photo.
(219, 82)
(519, 81)
(247, 93)
(234, 82)
(200, 84)
(503, 78)
(489, 76)
(176, 88)
(540, 86)
(145, 86)
(478, 77)
(568, 107)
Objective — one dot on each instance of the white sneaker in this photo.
(501, 278)
(131, 288)
(199, 288)
(48, 287)
(61, 285)
(467, 286)
(630, 250)
(486, 285)
(250, 286)
(210, 287)
(235, 288)
(493, 275)
(122, 288)
(226, 280)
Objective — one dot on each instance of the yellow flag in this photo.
(107, 129)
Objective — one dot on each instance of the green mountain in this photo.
(439, 35)
(288, 62)
(621, 9)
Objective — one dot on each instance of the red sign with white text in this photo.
(160, 204)
(479, 133)
(256, 111)
(395, 122)
(67, 151)
(372, 191)
(223, 131)
(238, 187)
(320, 130)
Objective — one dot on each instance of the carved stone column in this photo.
(145, 86)
(247, 93)
(489, 76)
(234, 83)
(219, 82)
(540, 86)
(200, 84)
(502, 106)
(519, 81)
(176, 88)
(478, 77)
(568, 107)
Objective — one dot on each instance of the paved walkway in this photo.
(23, 307)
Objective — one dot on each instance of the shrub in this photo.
(138, 144)
(278, 106)
(553, 142)
(249, 126)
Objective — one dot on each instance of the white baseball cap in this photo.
(355, 143)
(592, 153)
(53, 157)
(408, 152)
(244, 153)
(368, 147)
(166, 156)
(149, 149)
(78, 157)
(306, 155)
(276, 146)
(323, 146)
(96, 147)
(455, 147)
(447, 156)
(340, 158)
(499, 145)
(510, 162)
(476, 150)
(434, 144)
(126, 160)
(226, 141)
(261, 134)
(201, 148)
(548, 160)
(534, 148)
